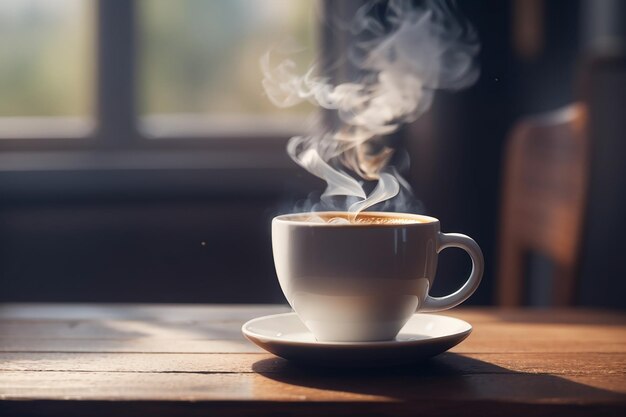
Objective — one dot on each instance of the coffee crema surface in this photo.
(361, 219)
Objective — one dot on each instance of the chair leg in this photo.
(511, 277)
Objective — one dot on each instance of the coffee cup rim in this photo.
(421, 220)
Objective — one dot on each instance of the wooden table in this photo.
(143, 360)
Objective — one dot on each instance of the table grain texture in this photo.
(162, 360)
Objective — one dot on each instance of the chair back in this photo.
(543, 202)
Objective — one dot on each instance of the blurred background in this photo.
(141, 162)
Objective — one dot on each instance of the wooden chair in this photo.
(543, 202)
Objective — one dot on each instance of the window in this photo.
(141, 69)
(46, 64)
(202, 57)
(199, 64)
(46, 51)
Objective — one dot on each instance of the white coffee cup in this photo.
(362, 281)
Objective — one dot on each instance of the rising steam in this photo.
(401, 58)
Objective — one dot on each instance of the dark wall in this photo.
(457, 149)
(207, 250)
(603, 270)
(171, 235)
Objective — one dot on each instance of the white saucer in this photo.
(424, 336)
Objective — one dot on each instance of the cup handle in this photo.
(456, 240)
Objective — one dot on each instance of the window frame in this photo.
(116, 142)
(116, 123)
